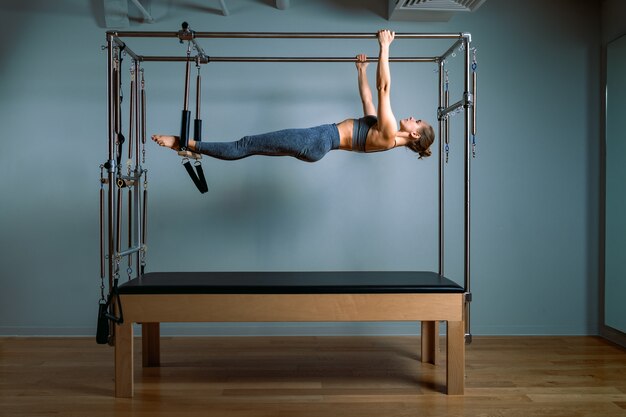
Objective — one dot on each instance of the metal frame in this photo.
(136, 237)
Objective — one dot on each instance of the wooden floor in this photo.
(315, 376)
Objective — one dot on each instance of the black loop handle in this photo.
(184, 129)
(197, 176)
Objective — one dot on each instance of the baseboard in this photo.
(613, 335)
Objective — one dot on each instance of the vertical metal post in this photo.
(130, 224)
(144, 215)
(198, 94)
(102, 227)
(441, 171)
(138, 124)
(143, 115)
(113, 87)
(187, 77)
(131, 112)
(131, 142)
(186, 116)
(474, 105)
(118, 220)
(446, 121)
(136, 212)
(144, 199)
(112, 112)
(467, 240)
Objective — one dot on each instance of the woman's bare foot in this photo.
(168, 141)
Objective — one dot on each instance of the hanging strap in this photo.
(104, 315)
(195, 171)
(115, 293)
(197, 175)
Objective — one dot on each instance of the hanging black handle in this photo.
(197, 176)
(197, 123)
(110, 316)
(184, 129)
(104, 316)
(119, 142)
(102, 331)
(197, 130)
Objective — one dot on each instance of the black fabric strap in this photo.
(115, 293)
(106, 314)
(102, 329)
(197, 176)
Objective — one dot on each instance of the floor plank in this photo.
(315, 376)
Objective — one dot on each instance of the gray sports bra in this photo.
(359, 132)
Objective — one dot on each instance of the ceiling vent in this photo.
(430, 10)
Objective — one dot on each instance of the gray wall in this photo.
(535, 215)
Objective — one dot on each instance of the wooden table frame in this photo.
(429, 308)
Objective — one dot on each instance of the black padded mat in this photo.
(345, 282)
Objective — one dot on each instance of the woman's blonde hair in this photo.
(422, 145)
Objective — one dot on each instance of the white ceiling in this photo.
(116, 12)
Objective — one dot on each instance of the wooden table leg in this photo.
(430, 341)
(455, 358)
(150, 344)
(124, 360)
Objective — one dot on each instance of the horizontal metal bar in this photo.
(129, 251)
(442, 112)
(285, 35)
(125, 48)
(280, 59)
(452, 48)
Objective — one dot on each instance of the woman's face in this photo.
(411, 125)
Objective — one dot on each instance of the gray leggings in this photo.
(308, 145)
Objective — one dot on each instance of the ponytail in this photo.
(422, 145)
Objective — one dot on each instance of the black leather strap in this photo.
(196, 176)
(106, 314)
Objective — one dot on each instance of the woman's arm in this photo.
(364, 87)
(387, 124)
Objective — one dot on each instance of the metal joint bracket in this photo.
(467, 35)
(441, 113)
(468, 339)
(468, 98)
(110, 166)
(468, 297)
(185, 34)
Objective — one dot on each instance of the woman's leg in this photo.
(305, 144)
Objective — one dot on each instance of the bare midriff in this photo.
(345, 134)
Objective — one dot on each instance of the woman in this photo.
(376, 131)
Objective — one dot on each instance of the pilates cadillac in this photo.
(151, 298)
